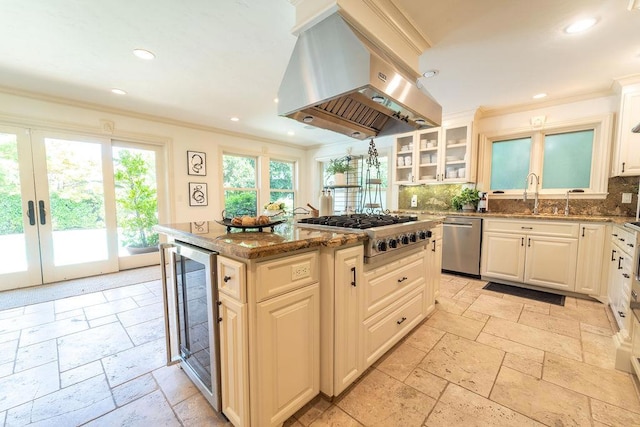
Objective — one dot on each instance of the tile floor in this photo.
(481, 359)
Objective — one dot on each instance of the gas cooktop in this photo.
(359, 221)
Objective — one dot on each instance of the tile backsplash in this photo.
(438, 198)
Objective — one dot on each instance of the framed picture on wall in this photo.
(196, 163)
(198, 194)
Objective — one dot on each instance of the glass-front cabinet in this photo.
(433, 155)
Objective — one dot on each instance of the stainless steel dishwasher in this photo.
(461, 240)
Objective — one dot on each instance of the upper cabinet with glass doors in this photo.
(434, 155)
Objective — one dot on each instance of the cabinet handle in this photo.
(522, 241)
(619, 262)
(434, 246)
(402, 280)
(613, 254)
(399, 322)
(583, 231)
(621, 239)
(614, 235)
(219, 316)
(621, 314)
(43, 214)
(634, 295)
(630, 245)
(625, 275)
(225, 279)
(527, 228)
(529, 243)
(31, 213)
(623, 163)
(353, 277)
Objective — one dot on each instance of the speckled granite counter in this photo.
(286, 237)
(546, 217)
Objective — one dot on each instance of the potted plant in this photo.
(467, 200)
(137, 203)
(338, 168)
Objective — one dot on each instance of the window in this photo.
(240, 185)
(245, 176)
(571, 156)
(281, 183)
(567, 160)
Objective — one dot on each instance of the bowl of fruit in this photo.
(274, 210)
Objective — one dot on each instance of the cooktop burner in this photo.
(359, 221)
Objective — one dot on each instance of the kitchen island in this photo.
(300, 313)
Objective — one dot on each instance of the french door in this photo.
(57, 221)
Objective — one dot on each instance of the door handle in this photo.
(613, 254)
(529, 243)
(619, 262)
(353, 277)
(43, 212)
(522, 241)
(31, 213)
(583, 231)
(433, 249)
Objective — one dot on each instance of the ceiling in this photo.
(221, 59)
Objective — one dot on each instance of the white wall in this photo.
(35, 113)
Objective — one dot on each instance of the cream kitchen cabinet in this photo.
(537, 253)
(591, 244)
(434, 263)
(626, 155)
(434, 155)
(269, 316)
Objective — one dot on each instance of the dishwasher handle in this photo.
(458, 224)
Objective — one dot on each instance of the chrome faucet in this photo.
(566, 206)
(526, 185)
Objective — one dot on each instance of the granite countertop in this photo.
(546, 217)
(286, 237)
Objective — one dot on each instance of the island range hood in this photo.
(337, 80)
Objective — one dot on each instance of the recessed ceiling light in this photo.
(307, 119)
(291, 133)
(144, 54)
(377, 98)
(235, 119)
(579, 26)
(118, 91)
(276, 100)
(430, 73)
(421, 122)
(539, 95)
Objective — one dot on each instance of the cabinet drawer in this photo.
(283, 275)
(385, 285)
(624, 238)
(545, 228)
(232, 278)
(386, 328)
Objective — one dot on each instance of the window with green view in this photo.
(567, 160)
(510, 161)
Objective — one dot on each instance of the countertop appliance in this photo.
(190, 297)
(338, 80)
(386, 233)
(461, 243)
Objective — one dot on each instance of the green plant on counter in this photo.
(467, 196)
(340, 165)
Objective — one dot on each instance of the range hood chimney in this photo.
(337, 80)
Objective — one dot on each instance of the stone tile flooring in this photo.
(482, 359)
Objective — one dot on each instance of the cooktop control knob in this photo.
(422, 234)
(381, 245)
(412, 237)
(405, 240)
(393, 243)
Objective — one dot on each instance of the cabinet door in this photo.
(503, 256)
(348, 343)
(287, 353)
(234, 365)
(404, 158)
(455, 154)
(551, 262)
(427, 156)
(590, 253)
(434, 257)
(628, 155)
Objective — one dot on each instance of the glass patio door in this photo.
(59, 222)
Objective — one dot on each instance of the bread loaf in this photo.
(236, 221)
(248, 221)
(263, 219)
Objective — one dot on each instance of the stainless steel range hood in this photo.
(337, 80)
